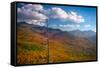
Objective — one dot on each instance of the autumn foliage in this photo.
(34, 47)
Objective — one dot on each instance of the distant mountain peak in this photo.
(76, 33)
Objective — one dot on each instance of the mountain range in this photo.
(64, 46)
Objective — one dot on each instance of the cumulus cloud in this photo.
(68, 27)
(37, 14)
(36, 7)
(58, 13)
(75, 17)
(37, 22)
(87, 26)
(30, 13)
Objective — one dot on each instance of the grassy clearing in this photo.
(30, 47)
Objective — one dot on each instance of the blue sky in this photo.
(88, 13)
(66, 18)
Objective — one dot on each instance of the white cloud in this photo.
(18, 10)
(68, 25)
(77, 25)
(76, 18)
(61, 25)
(87, 26)
(37, 22)
(27, 14)
(38, 16)
(36, 7)
(30, 12)
(58, 13)
(94, 30)
(40, 24)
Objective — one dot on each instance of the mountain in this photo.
(34, 42)
(79, 33)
